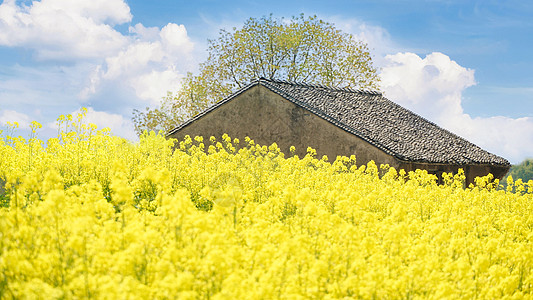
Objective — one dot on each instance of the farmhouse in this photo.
(341, 121)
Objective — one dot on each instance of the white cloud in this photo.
(512, 138)
(118, 125)
(145, 33)
(154, 85)
(94, 64)
(101, 11)
(64, 29)
(13, 116)
(151, 68)
(175, 40)
(377, 38)
(133, 60)
(433, 86)
(93, 81)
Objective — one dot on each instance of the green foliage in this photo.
(522, 171)
(299, 49)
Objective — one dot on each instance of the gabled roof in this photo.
(372, 117)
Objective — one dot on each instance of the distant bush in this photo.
(522, 171)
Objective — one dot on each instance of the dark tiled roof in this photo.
(379, 121)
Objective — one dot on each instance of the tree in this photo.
(299, 49)
(522, 171)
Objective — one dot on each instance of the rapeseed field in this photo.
(91, 215)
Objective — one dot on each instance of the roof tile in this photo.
(385, 124)
(377, 120)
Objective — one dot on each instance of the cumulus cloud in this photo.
(94, 64)
(152, 86)
(150, 65)
(64, 29)
(118, 125)
(433, 86)
(145, 33)
(13, 116)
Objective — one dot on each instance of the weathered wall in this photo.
(267, 117)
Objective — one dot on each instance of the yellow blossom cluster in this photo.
(91, 215)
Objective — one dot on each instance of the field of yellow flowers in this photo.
(91, 215)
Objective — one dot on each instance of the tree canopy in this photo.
(522, 171)
(298, 49)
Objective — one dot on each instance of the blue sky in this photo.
(465, 65)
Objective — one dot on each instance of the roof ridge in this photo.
(316, 85)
